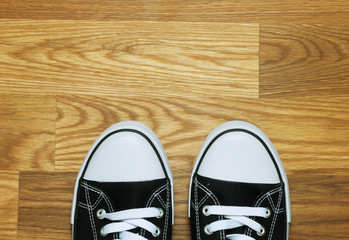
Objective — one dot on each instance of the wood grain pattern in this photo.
(104, 57)
(311, 137)
(303, 132)
(304, 60)
(27, 130)
(319, 197)
(70, 69)
(8, 204)
(44, 205)
(251, 11)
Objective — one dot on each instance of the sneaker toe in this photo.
(239, 156)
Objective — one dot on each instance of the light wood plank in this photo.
(128, 58)
(313, 134)
(311, 137)
(8, 204)
(251, 11)
(45, 200)
(27, 130)
(304, 61)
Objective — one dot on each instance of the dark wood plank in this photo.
(27, 130)
(319, 197)
(45, 200)
(128, 58)
(304, 61)
(276, 11)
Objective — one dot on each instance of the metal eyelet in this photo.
(161, 213)
(268, 213)
(262, 232)
(157, 232)
(206, 230)
(99, 213)
(205, 211)
(102, 233)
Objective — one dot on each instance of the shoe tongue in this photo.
(236, 194)
(128, 195)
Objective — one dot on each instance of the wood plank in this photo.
(8, 204)
(45, 200)
(252, 11)
(304, 61)
(27, 130)
(313, 134)
(311, 137)
(319, 197)
(129, 58)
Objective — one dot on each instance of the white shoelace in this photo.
(235, 217)
(130, 219)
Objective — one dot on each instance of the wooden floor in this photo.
(70, 69)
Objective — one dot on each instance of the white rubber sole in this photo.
(126, 125)
(249, 127)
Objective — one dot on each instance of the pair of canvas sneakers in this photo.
(238, 187)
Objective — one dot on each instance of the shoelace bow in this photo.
(130, 219)
(235, 217)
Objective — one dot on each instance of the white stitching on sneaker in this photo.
(96, 190)
(259, 201)
(203, 200)
(167, 211)
(150, 201)
(275, 216)
(275, 209)
(90, 214)
(159, 190)
(99, 199)
(163, 204)
(197, 211)
(101, 193)
(200, 203)
(214, 198)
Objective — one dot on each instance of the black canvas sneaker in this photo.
(239, 189)
(124, 189)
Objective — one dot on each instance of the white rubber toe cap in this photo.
(127, 151)
(124, 157)
(238, 156)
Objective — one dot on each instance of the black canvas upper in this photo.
(207, 191)
(118, 196)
